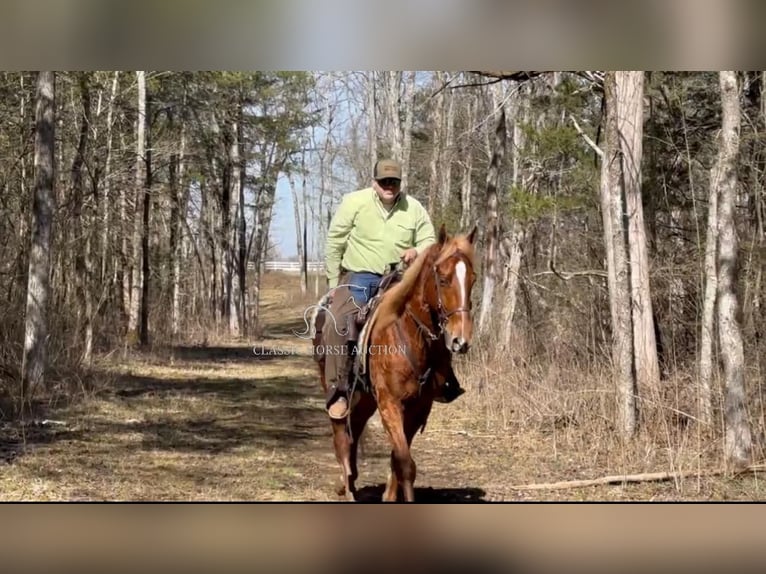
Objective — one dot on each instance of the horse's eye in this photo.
(443, 281)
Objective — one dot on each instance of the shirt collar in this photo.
(383, 209)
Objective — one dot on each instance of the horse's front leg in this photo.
(342, 444)
(403, 468)
(392, 485)
(360, 414)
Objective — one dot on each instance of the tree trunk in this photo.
(737, 442)
(393, 81)
(372, 121)
(616, 245)
(630, 122)
(234, 280)
(177, 216)
(445, 160)
(707, 334)
(437, 120)
(512, 252)
(145, 229)
(298, 229)
(512, 246)
(22, 260)
(409, 105)
(105, 227)
(491, 235)
(83, 288)
(33, 364)
(466, 187)
(305, 199)
(135, 291)
(242, 232)
(124, 264)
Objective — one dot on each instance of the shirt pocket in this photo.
(403, 235)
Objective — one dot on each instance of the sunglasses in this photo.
(389, 182)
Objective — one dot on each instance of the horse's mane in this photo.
(392, 303)
(458, 243)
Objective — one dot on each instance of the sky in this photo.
(283, 220)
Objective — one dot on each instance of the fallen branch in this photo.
(622, 479)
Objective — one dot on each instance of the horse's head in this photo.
(438, 282)
(450, 295)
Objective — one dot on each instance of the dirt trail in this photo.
(246, 422)
(240, 422)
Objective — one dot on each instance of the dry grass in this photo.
(222, 423)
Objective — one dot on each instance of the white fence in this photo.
(293, 266)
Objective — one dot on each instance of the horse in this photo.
(417, 323)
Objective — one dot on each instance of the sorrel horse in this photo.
(418, 322)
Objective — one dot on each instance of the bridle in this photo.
(429, 336)
(442, 313)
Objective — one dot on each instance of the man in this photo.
(372, 230)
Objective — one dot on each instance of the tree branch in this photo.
(517, 76)
(586, 137)
(622, 479)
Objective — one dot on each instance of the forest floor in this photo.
(244, 421)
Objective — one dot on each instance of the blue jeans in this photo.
(363, 286)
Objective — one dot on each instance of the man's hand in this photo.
(409, 255)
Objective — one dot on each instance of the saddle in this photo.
(358, 319)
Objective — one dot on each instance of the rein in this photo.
(428, 335)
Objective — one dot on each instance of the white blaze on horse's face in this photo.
(459, 327)
(460, 273)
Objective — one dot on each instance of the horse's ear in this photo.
(442, 235)
(472, 234)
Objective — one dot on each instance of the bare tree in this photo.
(466, 185)
(618, 269)
(146, 227)
(443, 120)
(83, 264)
(393, 80)
(178, 196)
(372, 120)
(630, 121)
(737, 442)
(106, 196)
(36, 317)
(135, 282)
(409, 113)
(512, 244)
(299, 229)
(492, 229)
(707, 334)
(234, 278)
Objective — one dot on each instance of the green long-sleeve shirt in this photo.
(364, 237)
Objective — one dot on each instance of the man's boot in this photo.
(447, 386)
(338, 401)
(338, 405)
(338, 397)
(449, 392)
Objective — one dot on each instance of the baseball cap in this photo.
(386, 168)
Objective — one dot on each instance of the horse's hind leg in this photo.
(346, 446)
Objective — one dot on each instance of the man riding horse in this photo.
(372, 228)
